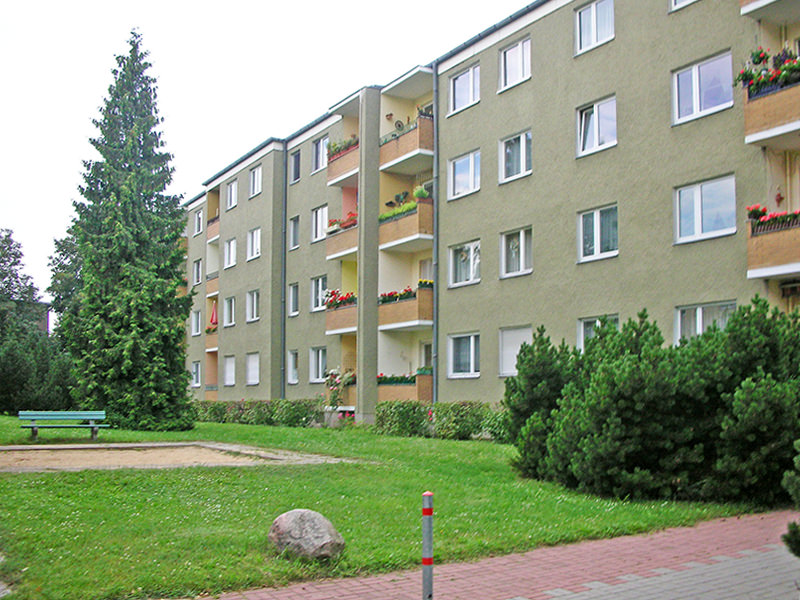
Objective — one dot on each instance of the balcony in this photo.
(212, 229)
(409, 232)
(343, 168)
(212, 287)
(777, 12)
(407, 315)
(341, 243)
(409, 150)
(773, 250)
(421, 390)
(212, 341)
(772, 119)
(341, 320)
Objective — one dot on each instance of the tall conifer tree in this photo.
(125, 327)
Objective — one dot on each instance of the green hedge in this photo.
(404, 418)
(458, 420)
(289, 413)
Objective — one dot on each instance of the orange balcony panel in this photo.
(212, 286)
(425, 388)
(411, 232)
(343, 168)
(212, 229)
(422, 390)
(341, 320)
(211, 370)
(407, 315)
(774, 119)
(212, 340)
(341, 243)
(410, 152)
(773, 253)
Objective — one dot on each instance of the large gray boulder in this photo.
(306, 533)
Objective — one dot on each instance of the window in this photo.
(197, 271)
(597, 126)
(465, 263)
(464, 174)
(254, 243)
(320, 157)
(252, 369)
(465, 88)
(694, 320)
(251, 305)
(230, 253)
(515, 64)
(197, 322)
(232, 195)
(516, 252)
(295, 173)
(255, 181)
(676, 4)
(703, 88)
(196, 374)
(595, 24)
(293, 303)
(319, 286)
(515, 157)
(465, 355)
(587, 327)
(294, 232)
(229, 370)
(510, 342)
(198, 221)
(598, 234)
(319, 222)
(317, 365)
(291, 367)
(229, 309)
(706, 210)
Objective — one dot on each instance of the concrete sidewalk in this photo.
(733, 558)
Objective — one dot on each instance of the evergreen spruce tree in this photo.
(125, 323)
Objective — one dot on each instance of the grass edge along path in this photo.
(95, 535)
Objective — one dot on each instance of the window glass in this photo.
(706, 209)
(703, 88)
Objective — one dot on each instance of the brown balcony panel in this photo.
(212, 286)
(401, 391)
(416, 145)
(773, 254)
(416, 228)
(774, 119)
(343, 318)
(341, 165)
(212, 340)
(341, 243)
(414, 313)
(211, 370)
(212, 229)
(425, 388)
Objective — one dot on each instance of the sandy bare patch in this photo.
(18, 459)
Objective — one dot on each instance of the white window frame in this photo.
(252, 306)
(320, 154)
(593, 322)
(521, 70)
(473, 74)
(474, 359)
(700, 327)
(319, 287)
(678, 4)
(229, 370)
(294, 232)
(229, 312)
(319, 223)
(697, 113)
(318, 364)
(597, 255)
(252, 368)
(197, 322)
(595, 35)
(293, 300)
(594, 109)
(295, 167)
(197, 380)
(198, 222)
(254, 243)
(255, 181)
(232, 194)
(526, 149)
(514, 336)
(525, 240)
(197, 272)
(697, 211)
(474, 168)
(474, 249)
(229, 253)
(292, 367)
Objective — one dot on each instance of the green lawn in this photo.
(154, 533)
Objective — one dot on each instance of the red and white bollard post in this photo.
(427, 546)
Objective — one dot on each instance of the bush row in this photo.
(289, 413)
(446, 420)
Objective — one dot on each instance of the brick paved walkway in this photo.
(734, 558)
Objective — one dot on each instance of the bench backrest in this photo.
(61, 415)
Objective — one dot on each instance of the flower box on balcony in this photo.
(411, 312)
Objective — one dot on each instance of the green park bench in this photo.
(34, 416)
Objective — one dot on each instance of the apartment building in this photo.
(576, 160)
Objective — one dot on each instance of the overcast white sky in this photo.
(230, 75)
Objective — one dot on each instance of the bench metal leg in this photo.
(34, 433)
(94, 432)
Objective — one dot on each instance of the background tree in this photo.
(121, 266)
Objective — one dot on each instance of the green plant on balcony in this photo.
(337, 148)
(351, 220)
(335, 299)
(425, 370)
(425, 284)
(398, 211)
(420, 193)
(336, 382)
(763, 221)
(211, 329)
(396, 379)
(393, 296)
(758, 78)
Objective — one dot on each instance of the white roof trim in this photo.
(245, 164)
(313, 132)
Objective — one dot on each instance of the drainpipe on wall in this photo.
(435, 345)
(284, 213)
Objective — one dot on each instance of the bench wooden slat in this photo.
(57, 425)
(51, 415)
